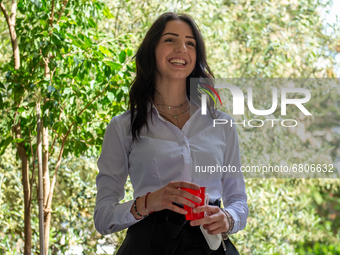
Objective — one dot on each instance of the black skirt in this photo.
(168, 233)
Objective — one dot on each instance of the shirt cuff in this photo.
(122, 218)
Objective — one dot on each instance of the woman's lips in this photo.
(177, 65)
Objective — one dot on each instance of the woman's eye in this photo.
(192, 44)
(169, 40)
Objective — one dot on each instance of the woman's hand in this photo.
(162, 198)
(216, 222)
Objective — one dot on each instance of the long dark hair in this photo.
(143, 90)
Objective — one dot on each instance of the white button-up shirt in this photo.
(167, 154)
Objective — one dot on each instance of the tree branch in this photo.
(55, 138)
(52, 14)
(92, 101)
(50, 194)
(33, 171)
(43, 57)
(4, 11)
(11, 24)
(13, 12)
(62, 10)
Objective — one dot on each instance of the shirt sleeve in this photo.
(234, 192)
(109, 215)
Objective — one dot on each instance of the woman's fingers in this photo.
(174, 188)
(216, 225)
(177, 209)
(216, 216)
(165, 196)
(207, 208)
(216, 231)
(184, 184)
(186, 195)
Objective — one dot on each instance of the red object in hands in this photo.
(199, 193)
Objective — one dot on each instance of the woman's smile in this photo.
(178, 62)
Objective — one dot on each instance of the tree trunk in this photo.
(17, 131)
(11, 27)
(46, 179)
(26, 184)
(40, 182)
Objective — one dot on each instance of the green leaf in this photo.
(67, 91)
(104, 50)
(77, 42)
(107, 71)
(110, 96)
(18, 140)
(122, 56)
(318, 198)
(5, 143)
(21, 109)
(56, 27)
(76, 60)
(92, 23)
(79, 120)
(129, 52)
(50, 88)
(1, 102)
(37, 3)
(64, 18)
(57, 124)
(107, 13)
(75, 71)
(114, 66)
(46, 106)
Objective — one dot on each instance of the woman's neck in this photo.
(171, 93)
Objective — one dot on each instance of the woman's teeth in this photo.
(177, 61)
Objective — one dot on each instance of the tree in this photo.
(71, 73)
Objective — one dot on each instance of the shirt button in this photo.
(188, 161)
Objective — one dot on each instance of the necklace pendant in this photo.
(175, 117)
(169, 107)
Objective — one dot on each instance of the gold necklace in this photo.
(173, 106)
(175, 116)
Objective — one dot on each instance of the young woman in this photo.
(160, 142)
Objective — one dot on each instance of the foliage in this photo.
(86, 75)
(77, 74)
(319, 249)
(244, 38)
(73, 208)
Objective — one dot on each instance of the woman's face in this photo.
(176, 51)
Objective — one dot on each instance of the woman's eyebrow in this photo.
(177, 35)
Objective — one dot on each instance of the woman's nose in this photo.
(180, 47)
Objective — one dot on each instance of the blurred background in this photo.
(78, 64)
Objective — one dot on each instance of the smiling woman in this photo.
(151, 142)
